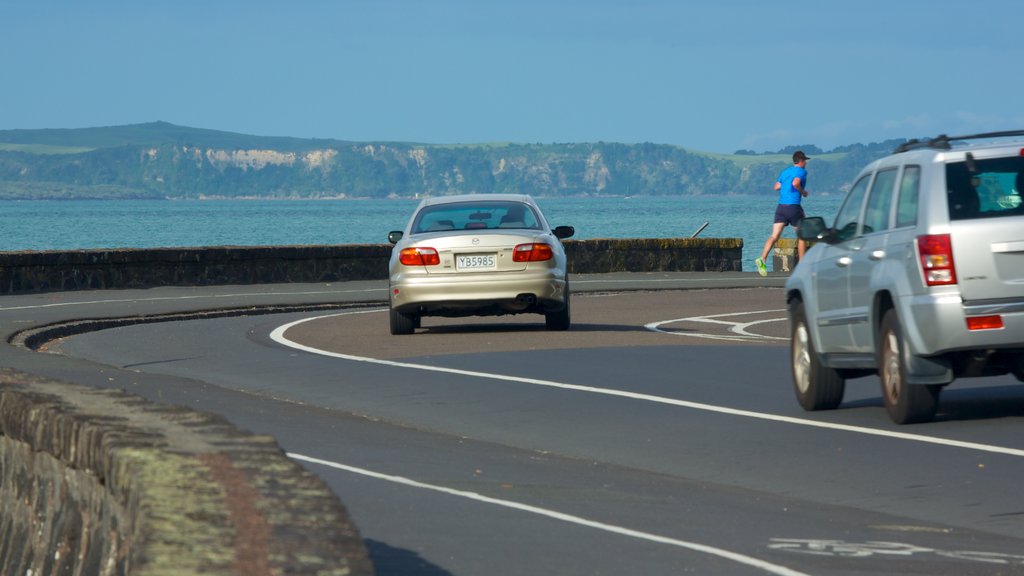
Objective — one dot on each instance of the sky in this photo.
(714, 76)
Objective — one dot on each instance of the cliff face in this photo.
(164, 161)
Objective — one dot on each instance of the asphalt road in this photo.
(658, 436)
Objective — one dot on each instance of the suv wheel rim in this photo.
(891, 368)
(801, 358)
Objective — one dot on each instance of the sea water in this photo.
(100, 224)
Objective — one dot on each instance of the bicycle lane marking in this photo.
(843, 549)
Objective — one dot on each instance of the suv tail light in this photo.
(419, 257)
(532, 253)
(936, 252)
(985, 322)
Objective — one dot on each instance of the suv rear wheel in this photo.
(906, 403)
(817, 386)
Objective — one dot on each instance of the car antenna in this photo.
(971, 166)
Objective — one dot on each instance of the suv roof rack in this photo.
(942, 142)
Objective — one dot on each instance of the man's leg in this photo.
(762, 267)
(770, 243)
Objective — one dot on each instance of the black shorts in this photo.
(790, 214)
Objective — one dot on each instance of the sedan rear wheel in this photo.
(559, 320)
(402, 323)
(906, 403)
(817, 386)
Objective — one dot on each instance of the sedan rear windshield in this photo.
(475, 216)
(985, 188)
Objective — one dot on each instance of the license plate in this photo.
(476, 262)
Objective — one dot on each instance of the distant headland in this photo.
(159, 160)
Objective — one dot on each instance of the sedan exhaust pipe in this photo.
(526, 299)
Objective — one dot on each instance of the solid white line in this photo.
(711, 550)
(278, 336)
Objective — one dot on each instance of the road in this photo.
(658, 436)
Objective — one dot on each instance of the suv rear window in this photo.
(985, 188)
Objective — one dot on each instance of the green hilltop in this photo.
(160, 160)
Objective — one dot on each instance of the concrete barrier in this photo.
(784, 255)
(96, 482)
(27, 272)
(654, 255)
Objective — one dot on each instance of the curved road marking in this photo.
(633, 281)
(195, 297)
(738, 328)
(278, 336)
(721, 553)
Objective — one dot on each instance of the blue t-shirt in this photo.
(788, 194)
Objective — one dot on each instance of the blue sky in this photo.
(715, 76)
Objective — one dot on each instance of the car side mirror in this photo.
(813, 228)
(394, 236)
(562, 232)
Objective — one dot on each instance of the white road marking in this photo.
(839, 548)
(636, 281)
(278, 336)
(196, 297)
(703, 548)
(737, 328)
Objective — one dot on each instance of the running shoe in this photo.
(761, 268)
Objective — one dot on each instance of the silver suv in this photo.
(920, 279)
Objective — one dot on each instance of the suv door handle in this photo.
(877, 255)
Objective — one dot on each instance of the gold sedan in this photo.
(478, 255)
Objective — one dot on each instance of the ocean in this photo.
(102, 224)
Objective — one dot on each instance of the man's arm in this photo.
(799, 186)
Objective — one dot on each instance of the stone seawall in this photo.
(26, 272)
(97, 482)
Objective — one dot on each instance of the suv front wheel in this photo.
(906, 403)
(817, 386)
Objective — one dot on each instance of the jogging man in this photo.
(791, 188)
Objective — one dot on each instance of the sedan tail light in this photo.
(532, 253)
(419, 257)
(936, 252)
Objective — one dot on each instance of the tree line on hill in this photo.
(160, 160)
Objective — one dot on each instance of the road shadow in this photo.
(962, 404)
(982, 403)
(391, 561)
